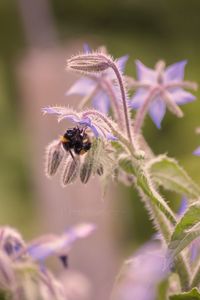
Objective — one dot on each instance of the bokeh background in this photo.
(37, 36)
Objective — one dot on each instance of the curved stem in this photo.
(124, 102)
(108, 87)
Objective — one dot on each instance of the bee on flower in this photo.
(80, 151)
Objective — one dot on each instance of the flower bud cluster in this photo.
(77, 166)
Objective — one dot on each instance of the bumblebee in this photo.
(76, 139)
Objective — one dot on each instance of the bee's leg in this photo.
(72, 155)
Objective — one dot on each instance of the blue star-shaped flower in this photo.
(161, 87)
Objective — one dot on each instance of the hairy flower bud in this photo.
(11, 241)
(86, 171)
(100, 170)
(70, 170)
(54, 156)
(92, 164)
(89, 62)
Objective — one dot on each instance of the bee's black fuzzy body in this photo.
(76, 139)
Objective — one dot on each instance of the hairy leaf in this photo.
(185, 231)
(167, 172)
(194, 294)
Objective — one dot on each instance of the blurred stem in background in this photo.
(38, 22)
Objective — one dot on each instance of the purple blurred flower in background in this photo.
(160, 88)
(197, 151)
(98, 87)
(48, 245)
(141, 274)
(183, 207)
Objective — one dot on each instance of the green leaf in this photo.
(167, 172)
(194, 294)
(185, 231)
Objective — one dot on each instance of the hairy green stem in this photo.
(195, 282)
(156, 205)
(163, 226)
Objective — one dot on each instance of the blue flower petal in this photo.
(183, 206)
(111, 137)
(83, 87)
(138, 98)
(157, 111)
(121, 62)
(197, 151)
(175, 71)
(101, 102)
(42, 249)
(45, 246)
(87, 122)
(142, 273)
(72, 118)
(145, 73)
(194, 250)
(86, 48)
(182, 97)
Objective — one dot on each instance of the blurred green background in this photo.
(147, 30)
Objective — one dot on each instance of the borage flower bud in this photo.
(54, 156)
(70, 170)
(11, 241)
(100, 170)
(89, 62)
(91, 163)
